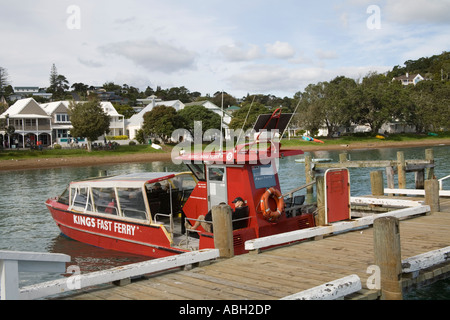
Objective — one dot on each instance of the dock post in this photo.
(320, 186)
(386, 236)
(309, 178)
(377, 183)
(343, 157)
(223, 230)
(401, 170)
(432, 195)
(429, 156)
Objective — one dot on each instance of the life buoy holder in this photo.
(268, 213)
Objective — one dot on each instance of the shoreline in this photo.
(41, 163)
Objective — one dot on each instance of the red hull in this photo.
(112, 234)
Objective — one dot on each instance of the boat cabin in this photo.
(142, 197)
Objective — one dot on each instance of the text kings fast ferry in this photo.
(147, 213)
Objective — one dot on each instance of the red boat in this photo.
(147, 213)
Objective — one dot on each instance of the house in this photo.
(226, 117)
(408, 79)
(24, 92)
(49, 123)
(31, 122)
(61, 125)
(136, 122)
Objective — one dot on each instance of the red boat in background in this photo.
(146, 213)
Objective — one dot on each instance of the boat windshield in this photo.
(132, 203)
(105, 200)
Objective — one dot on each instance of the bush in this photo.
(116, 137)
(132, 143)
(57, 147)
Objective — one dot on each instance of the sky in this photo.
(240, 47)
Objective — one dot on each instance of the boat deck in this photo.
(277, 273)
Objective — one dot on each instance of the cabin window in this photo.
(65, 197)
(81, 198)
(105, 200)
(132, 203)
(264, 176)
(198, 170)
(216, 174)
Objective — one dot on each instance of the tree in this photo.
(162, 121)
(248, 112)
(88, 120)
(58, 84)
(209, 119)
(4, 80)
(311, 105)
(339, 103)
(380, 100)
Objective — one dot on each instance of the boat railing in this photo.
(168, 215)
(441, 182)
(290, 194)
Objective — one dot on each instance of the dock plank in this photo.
(286, 270)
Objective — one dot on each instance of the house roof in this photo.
(138, 118)
(25, 108)
(408, 77)
(51, 107)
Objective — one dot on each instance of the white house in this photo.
(32, 124)
(409, 79)
(135, 123)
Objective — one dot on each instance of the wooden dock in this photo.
(277, 273)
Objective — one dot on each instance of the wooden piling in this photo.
(223, 230)
(309, 178)
(377, 183)
(342, 157)
(320, 186)
(401, 169)
(429, 156)
(432, 195)
(386, 237)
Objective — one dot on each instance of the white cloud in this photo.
(418, 11)
(281, 50)
(153, 55)
(238, 53)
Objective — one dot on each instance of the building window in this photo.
(62, 117)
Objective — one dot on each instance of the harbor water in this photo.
(26, 224)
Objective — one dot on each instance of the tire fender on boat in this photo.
(268, 213)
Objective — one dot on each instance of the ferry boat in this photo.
(152, 214)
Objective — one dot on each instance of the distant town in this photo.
(414, 98)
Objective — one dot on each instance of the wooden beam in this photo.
(426, 260)
(288, 237)
(115, 274)
(330, 291)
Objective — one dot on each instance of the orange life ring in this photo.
(268, 213)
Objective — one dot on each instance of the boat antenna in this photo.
(246, 118)
(295, 111)
(221, 127)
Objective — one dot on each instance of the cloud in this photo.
(90, 63)
(281, 50)
(237, 53)
(153, 55)
(418, 11)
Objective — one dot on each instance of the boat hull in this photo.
(134, 238)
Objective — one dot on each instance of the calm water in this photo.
(26, 224)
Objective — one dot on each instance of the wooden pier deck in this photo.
(278, 273)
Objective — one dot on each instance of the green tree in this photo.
(339, 103)
(311, 106)
(380, 100)
(209, 119)
(4, 80)
(162, 121)
(247, 116)
(88, 121)
(58, 84)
